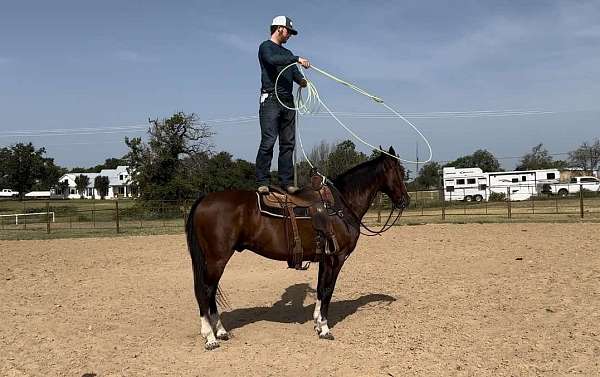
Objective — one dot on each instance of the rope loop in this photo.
(312, 103)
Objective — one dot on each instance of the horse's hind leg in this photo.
(215, 318)
(205, 288)
(215, 276)
(205, 327)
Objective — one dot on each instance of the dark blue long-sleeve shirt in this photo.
(273, 58)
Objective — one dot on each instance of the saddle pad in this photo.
(265, 208)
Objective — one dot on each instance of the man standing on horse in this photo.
(275, 119)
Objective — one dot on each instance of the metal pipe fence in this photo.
(131, 216)
(544, 207)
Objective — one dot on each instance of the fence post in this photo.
(443, 205)
(24, 217)
(94, 212)
(508, 203)
(185, 213)
(117, 214)
(48, 216)
(581, 200)
(380, 203)
(487, 200)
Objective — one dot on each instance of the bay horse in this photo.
(221, 223)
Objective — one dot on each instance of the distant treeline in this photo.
(178, 161)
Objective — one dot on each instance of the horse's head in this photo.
(393, 183)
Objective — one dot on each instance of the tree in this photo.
(81, 184)
(586, 156)
(429, 175)
(5, 156)
(539, 158)
(109, 163)
(62, 188)
(481, 158)
(157, 168)
(101, 184)
(342, 158)
(319, 155)
(23, 168)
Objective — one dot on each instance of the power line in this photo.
(136, 128)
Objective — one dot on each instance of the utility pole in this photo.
(417, 175)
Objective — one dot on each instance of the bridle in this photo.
(371, 233)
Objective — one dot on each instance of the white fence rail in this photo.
(17, 215)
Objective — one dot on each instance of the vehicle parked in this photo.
(573, 187)
(8, 193)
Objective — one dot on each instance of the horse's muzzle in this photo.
(403, 203)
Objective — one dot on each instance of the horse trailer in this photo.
(472, 184)
(468, 184)
(521, 185)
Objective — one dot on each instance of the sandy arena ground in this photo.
(432, 300)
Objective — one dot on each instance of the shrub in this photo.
(497, 197)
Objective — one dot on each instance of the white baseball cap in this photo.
(286, 22)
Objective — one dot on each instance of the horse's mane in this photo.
(362, 174)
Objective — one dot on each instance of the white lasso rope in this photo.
(313, 102)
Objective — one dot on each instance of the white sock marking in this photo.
(206, 330)
(218, 326)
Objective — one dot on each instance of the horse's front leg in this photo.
(329, 268)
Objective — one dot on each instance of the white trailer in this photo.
(521, 184)
(468, 184)
(472, 184)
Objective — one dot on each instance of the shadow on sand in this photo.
(290, 309)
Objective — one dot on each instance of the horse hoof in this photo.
(211, 346)
(328, 336)
(224, 336)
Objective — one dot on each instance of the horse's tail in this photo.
(198, 259)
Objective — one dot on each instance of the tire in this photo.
(563, 193)
(478, 198)
(468, 198)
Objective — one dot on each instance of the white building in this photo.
(119, 184)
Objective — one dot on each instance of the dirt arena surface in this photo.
(432, 300)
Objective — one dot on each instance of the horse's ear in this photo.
(392, 151)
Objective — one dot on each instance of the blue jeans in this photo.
(276, 120)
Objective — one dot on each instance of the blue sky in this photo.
(106, 66)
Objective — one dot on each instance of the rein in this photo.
(371, 233)
(385, 226)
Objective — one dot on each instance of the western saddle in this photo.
(315, 203)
